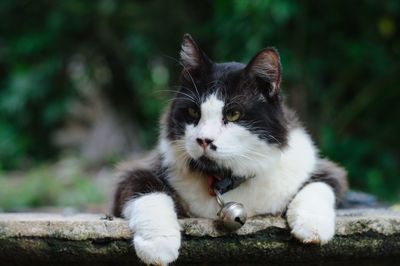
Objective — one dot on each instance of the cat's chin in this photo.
(208, 167)
(217, 177)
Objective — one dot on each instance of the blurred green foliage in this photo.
(340, 69)
(45, 186)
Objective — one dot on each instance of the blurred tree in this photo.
(340, 69)
(52, 52)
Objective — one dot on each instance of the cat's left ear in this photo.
(266, 66)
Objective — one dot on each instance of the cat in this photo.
(227, 119)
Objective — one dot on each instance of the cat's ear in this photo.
(266, 67)
(192, 57)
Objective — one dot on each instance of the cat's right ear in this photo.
(266, 67)
(192, 57)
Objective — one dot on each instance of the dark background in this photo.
(82, 84)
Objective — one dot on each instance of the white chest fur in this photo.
(275, 183)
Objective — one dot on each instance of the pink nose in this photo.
(204, 143)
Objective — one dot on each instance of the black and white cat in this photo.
(227, 119)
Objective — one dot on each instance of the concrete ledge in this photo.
(362, 236)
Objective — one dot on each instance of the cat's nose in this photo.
(204, 143)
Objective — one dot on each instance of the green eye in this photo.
(232, 116)
(193, 113)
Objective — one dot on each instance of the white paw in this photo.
(157, 235)
(157, 250)
(311, 227)
(311, 214)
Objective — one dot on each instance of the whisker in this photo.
(187, 71)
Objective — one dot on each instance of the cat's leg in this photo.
(311, 213)
(153, 220)
(146, 203)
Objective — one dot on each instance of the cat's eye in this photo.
(193, 113)
(232, 116)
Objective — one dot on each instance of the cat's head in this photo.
(227, 118)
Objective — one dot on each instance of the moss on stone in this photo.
(359, 238)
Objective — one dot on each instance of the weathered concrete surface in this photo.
(364, 236)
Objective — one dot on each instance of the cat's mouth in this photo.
(218, 177)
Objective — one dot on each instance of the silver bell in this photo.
(233, 215)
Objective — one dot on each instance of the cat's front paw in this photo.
(153, 220)
(157, 250)
(311, 214)
(310, 227)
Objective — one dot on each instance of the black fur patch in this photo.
(139, 181)
(208, 167)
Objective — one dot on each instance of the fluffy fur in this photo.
(282, 172)
(263, 144)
